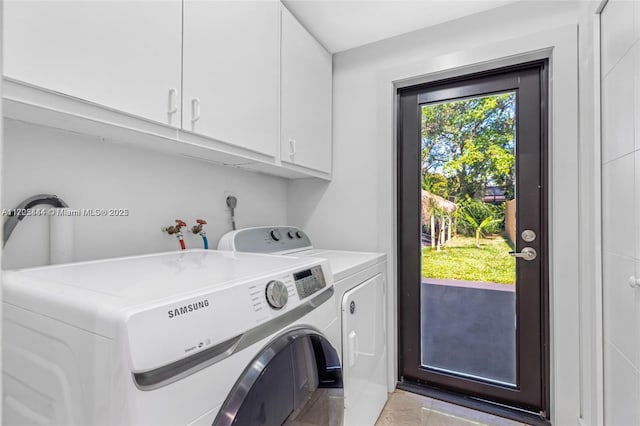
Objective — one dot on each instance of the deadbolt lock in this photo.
(528, 235)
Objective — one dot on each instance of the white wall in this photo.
(88, 172)
(620, 88)
(1, 161)
(357, 209)
(344, 214)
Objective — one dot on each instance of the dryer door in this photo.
(296, 379)
(364, 352)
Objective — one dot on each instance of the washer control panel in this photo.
(309, 281)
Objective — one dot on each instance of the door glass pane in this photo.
(468, 298)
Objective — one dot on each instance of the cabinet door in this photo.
(364, 359)
(306, 98)
(231, 72)
(121, 54)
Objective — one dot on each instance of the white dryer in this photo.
(360, 283)
(189, 338)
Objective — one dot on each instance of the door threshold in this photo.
(475, 404)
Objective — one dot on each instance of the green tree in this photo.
(435, 183)
(470, 143)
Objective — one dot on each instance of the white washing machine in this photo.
(360, 283)
(198, 337)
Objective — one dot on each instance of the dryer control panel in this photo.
(266, 239)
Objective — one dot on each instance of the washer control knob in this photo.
(299, 234)
(291, 235)
(277, 294)
(275, 235)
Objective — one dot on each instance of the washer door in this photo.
(295, 378)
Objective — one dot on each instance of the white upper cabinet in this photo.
(124, 55)
(306, 98)
(231, 71)
(235, 82)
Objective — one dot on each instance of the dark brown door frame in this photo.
(529, 80)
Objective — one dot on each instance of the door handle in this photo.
(173, 101)
(292, 148)
(353, 348)
(527, 254)
(195, 111)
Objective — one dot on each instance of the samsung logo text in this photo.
(176, 312)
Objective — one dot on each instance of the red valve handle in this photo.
(201, 221)
(180, 223)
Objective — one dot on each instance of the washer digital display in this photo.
(309, 281)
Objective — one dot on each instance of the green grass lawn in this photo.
(460, 259)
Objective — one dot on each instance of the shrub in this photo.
(472, 212)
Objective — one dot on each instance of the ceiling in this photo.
(344, 24)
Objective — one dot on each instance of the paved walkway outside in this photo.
(469, 327)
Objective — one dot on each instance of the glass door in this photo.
(472, 239)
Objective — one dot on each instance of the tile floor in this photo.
(409, 409)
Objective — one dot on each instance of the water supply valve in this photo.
(198, 229)
(177, 230)
(174, 229)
